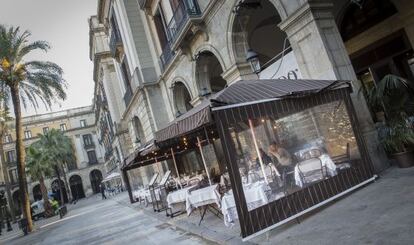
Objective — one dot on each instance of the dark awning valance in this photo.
(196, 117)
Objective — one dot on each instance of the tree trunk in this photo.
(62, 200)
(24, 195)
(66, 184)
(46, 203)
(6, 174)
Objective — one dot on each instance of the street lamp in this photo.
(253, 58)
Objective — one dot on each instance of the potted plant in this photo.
(395, 96)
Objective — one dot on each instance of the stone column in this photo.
(321, 54)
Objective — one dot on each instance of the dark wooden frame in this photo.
(265, 216)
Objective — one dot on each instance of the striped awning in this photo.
(247, 91)
(191, 120)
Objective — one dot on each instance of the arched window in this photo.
(182, 98)
(256, 27)
(208, 74)
(138, 130)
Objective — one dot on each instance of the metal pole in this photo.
(204, 160)
(176, 169)
(257, 150)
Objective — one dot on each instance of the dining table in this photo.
(256, 194)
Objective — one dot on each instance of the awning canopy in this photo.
(191, 120)
(247, 91)
(112, 176)
(239, 93)
(243, 91)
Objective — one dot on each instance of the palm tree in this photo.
(27, 82)
(39, 167)
(60, 149)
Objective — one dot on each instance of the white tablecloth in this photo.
(201, 197)
(326, 162)
(178, 196)
(255, 197)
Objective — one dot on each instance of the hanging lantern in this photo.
(253, 58)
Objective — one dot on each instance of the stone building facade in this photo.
(84, 175)
(168, 55)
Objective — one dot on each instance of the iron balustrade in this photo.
(166, 56)
(89, 146)
(183, 12)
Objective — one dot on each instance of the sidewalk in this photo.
(380, 213)
(41, 223)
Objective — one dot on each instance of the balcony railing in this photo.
(166, 56)
(115, 42)
(94, 162)
(11, 163)
(128, 96)
(184, 11)
(89, 146)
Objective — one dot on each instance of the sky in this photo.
(64, 24)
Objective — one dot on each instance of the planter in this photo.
(404, 159)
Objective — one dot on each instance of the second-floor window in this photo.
(27, 134)
(83, 123)
(11, 156)
(92, 157)
(161, 27)
(63, 127)
(45, 130)
(8, 138)
(87, 139)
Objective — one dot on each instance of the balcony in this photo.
(94, 162)
(89, 146)
(11, 163)
(115, 45)
(188, 11)
(166, 56)
(128, 96)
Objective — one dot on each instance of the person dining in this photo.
(284, 159)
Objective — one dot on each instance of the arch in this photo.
(256, 27)
(138, 130)
(16, 202)
(95, 176)
(56, 191)
(37, 192)
(76, 187)
(208, 73)
(181, 97)
(355, 19)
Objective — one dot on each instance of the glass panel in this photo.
(279, 156)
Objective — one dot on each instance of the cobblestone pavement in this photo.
(97, 221)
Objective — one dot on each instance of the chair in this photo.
(311, 170)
